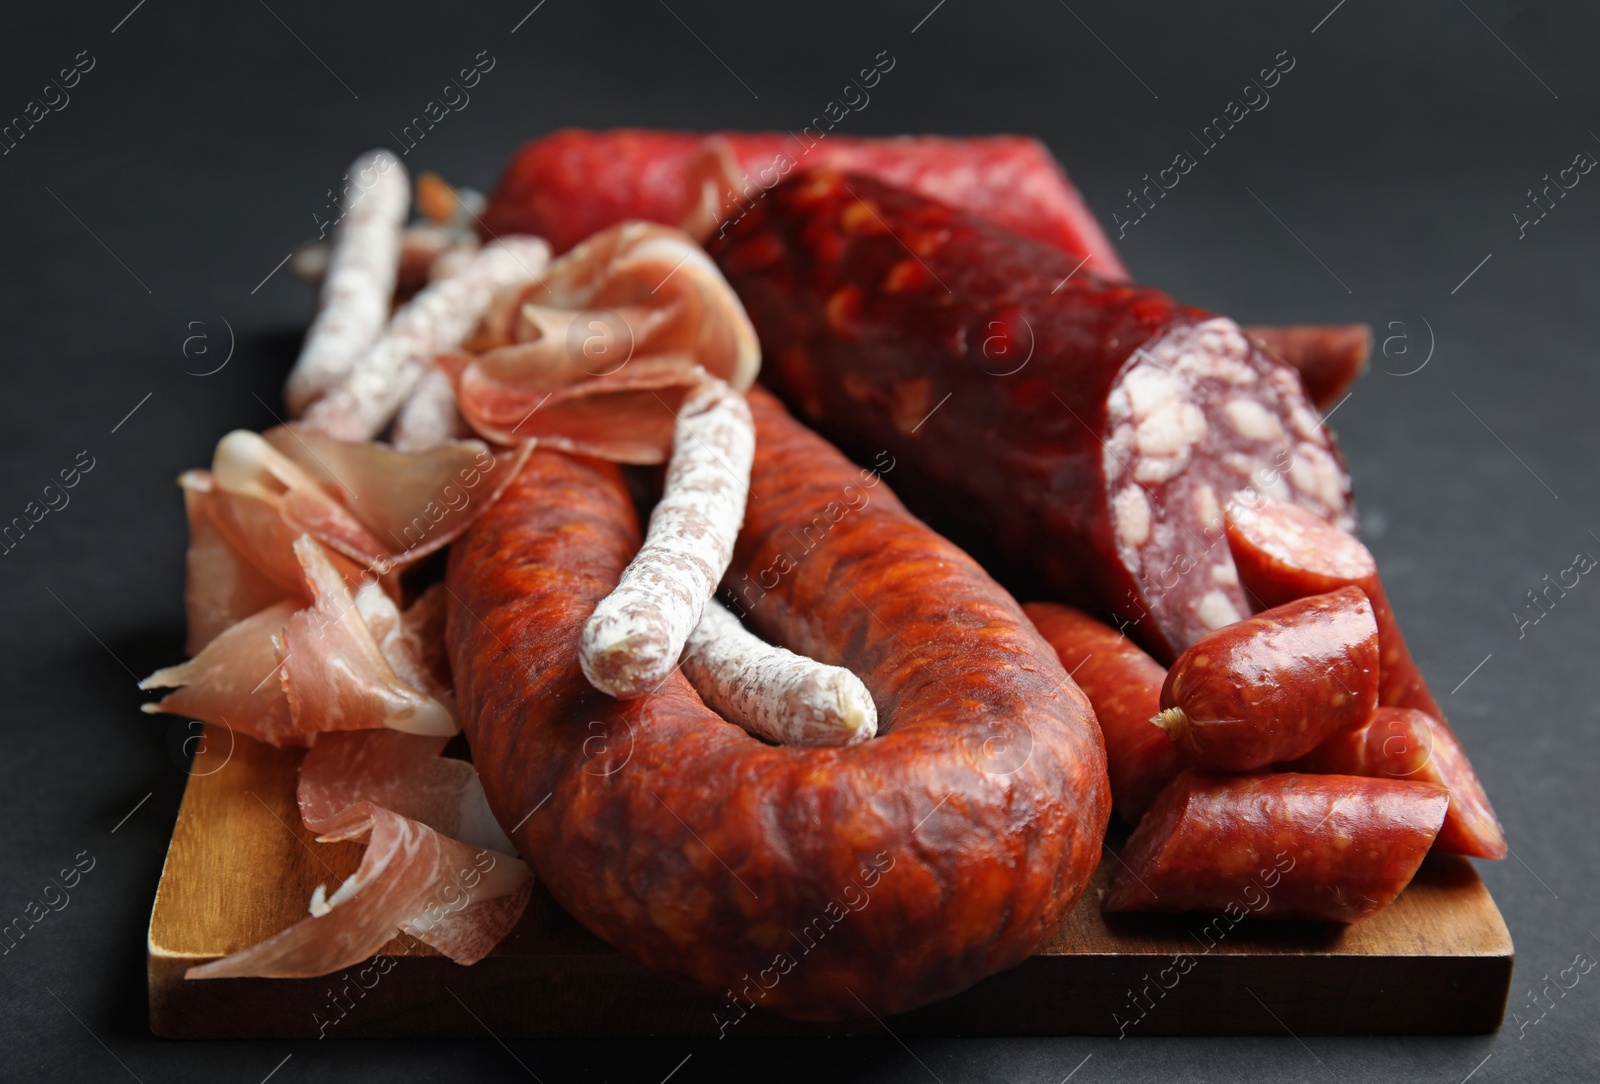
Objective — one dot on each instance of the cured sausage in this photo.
(1078, 437)
(1275, 686)
(1124, 685)
(1403, 743)
(1282, 553)
(815, 881)
(1327, 357)
(1334, 847)
(572, 183)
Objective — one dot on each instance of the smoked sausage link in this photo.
(1077, 436)
(1404, 743)
(1283, 553)
(1124, 685)
(1334, 847)
(1275, 686)
(815, 881)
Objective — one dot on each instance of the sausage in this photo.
(1282, 554)
(1275, 686)
(1332, 847)
(1403, 743)
(1078, 437)
(814, 881)
(1327, 357)
(572, 183)
(1124, 685)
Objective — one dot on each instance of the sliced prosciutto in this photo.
(346, 662)
(596, 358)
(458, 899)
(334, 671)
(235, 681)
(400, 772)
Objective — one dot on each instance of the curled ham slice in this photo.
(222, 586)
(335, 673)
(376, 510)
(349, 661)
(458, 899)
(235, 681)
(400, 772)
(596, 358)
(408, 504)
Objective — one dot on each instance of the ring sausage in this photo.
(815, 881)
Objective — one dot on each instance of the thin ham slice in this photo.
(458, 899)
(235, 681)
(221, 585)
(596, 358)
(400, 772)
(626, 417)
(408, 503)
(335, 672)
(347, 662)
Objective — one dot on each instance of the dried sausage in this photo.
(1282, 553)
(1404, 743)
(1077, 436)
(1275, 686)
(1124, 685)
(1334, 847)
(814, 881)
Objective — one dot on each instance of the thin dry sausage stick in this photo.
(1404, 743)
(1333, 847)
(1282, 553)
(1275, 686)
(772, 692)
(434, 321)
(1124, 685)
(886, 874)
(636, 635)
(428, 418)
(359, 282)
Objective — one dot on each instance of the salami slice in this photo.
(1079, 436)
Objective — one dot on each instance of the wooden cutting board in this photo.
(241, 867)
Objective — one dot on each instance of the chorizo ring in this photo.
(815, 881)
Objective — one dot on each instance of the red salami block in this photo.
(1282, 553)
(1275, 686)
(1123, 685)
(1078, 436)
(571, 183)
(1333, 847)
(1403, 743)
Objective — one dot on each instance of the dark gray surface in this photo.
(198, 148)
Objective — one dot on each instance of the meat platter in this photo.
(626, 632)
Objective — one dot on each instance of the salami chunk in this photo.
(1078, 435)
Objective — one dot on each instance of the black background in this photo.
(195, 153)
